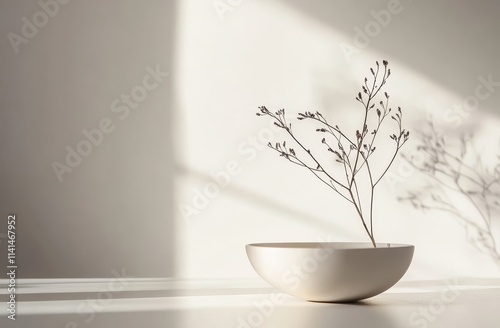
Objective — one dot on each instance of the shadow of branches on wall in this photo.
(459, 177)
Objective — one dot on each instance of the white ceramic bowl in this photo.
(330, 272)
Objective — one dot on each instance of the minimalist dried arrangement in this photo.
(353, 152)
(346, 271)
(456, 170)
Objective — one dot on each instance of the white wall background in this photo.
(125, 205)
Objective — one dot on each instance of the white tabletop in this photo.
(73, 303)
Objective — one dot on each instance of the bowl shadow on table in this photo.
(422, 292)
(333, 315)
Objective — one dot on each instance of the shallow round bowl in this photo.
(330, 271)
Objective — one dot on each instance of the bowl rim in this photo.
(334, 245)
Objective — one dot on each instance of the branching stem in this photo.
(353, 153)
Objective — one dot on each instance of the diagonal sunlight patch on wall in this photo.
(268, 53)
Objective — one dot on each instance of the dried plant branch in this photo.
(353, 152)
(454, 172)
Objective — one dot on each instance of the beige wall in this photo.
(113, 210)
(145, 199)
